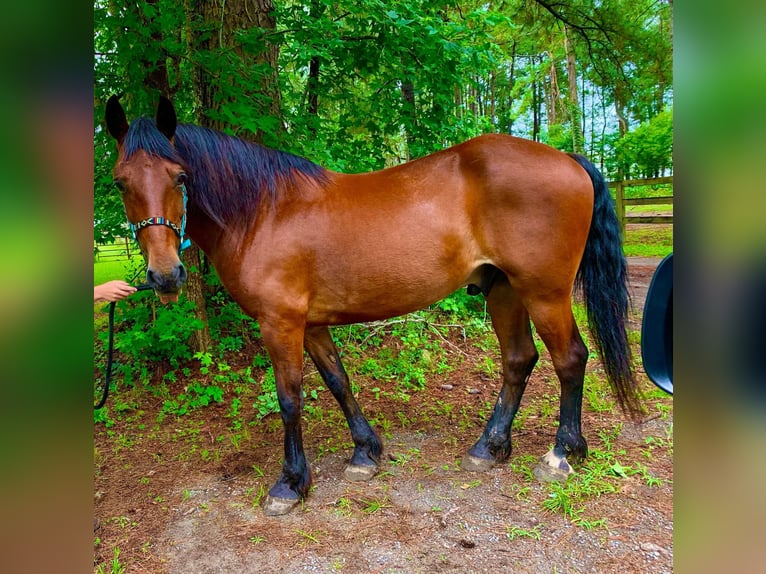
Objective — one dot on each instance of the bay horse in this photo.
(301, 248)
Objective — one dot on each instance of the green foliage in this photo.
(647, 151)
(152, 332)
(266, 402)
(195, 396)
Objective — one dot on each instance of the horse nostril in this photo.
(151, 278)
(168, 282)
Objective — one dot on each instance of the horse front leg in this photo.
(284, 342)
(365, 462)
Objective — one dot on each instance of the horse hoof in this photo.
(476, 464)
(552, 468)
(274, 506)
(360, 473)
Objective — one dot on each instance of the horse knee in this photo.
(519, 364)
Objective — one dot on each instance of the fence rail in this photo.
(622, 202)
(122, 248)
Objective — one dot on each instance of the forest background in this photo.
(358, 86)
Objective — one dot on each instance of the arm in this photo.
(112, 291)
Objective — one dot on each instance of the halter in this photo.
(179, 231)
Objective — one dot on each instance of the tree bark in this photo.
(409, 114)
(578, 140)
(216, 89)
(195, 292)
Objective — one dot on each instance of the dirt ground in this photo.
(183, 495)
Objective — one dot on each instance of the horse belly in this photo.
(387, 278)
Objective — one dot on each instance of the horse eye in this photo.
(181, 179)
(119, 185)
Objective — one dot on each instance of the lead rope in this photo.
(110, 352)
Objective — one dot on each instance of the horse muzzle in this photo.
(167, 284)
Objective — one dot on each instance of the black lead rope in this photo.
(110, 352)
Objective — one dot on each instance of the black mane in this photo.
(228, 177)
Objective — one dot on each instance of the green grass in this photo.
(648, 241)
(104, 271)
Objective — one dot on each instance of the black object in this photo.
(110, 352)
(657, 327)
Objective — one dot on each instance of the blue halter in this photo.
(180, 231)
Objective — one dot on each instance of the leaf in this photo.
(619, 470)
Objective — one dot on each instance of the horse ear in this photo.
(166, 118)
(116, 122)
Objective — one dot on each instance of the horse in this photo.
(301, 248)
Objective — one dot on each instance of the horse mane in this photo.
(228, 177)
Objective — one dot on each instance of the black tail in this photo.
(603, 278)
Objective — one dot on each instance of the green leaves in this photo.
(648, 150)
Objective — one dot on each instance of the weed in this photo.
(309, 536)
(116, 566)
(513, 532)
(259, 496)
(597, 394)
(523, 464)
(257, 539)
(375, 505)
(123, 521)
(559, 500)
(522, 492)
(196, 396)
(344, 507)
(266, 402)
(402, 459)
(588, 524)
(487, 366)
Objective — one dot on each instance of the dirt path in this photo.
(182, 496)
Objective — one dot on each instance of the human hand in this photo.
(112, 291)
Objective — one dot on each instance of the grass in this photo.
(104, 271)
(648, 241)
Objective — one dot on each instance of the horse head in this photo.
(151, 180)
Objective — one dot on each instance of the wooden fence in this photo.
(122, 248)
(621, 202)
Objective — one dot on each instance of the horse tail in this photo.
(603, 279)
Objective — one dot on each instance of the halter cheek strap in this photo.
(179, 231)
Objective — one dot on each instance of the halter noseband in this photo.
(179, 231)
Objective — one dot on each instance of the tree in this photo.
(235, 79)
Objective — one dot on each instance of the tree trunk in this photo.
(410, 118)
(226, 22)
(200, 340)
(312, 89)
(575, 112)
(551, 102)
(535, 104)
(312, 83)
(511, 83)
(619, 107)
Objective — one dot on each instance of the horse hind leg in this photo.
(365, 461)
(511, 323)
(557, 328)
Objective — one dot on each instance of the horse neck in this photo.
(203, 231)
